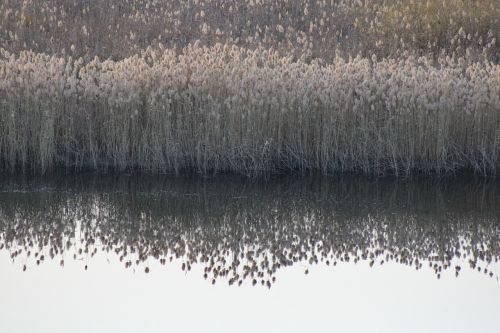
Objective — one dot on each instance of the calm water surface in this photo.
(155, 254)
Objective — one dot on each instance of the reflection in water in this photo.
(242, 230)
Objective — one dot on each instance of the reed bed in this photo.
(226, 108)
(378, 87)
(305, 29)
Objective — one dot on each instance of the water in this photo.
(155, 254)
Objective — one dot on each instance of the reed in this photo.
(305, 29)
(226, 108)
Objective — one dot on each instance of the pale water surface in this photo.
(155, 254)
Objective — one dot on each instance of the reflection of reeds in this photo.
(230, 109)
(277, 224)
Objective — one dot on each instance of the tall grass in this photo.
(306, 29)
(379, 86)
(230, 109)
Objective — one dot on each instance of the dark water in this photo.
(104, 254)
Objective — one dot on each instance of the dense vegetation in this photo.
(381, 87)
(306, 29)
